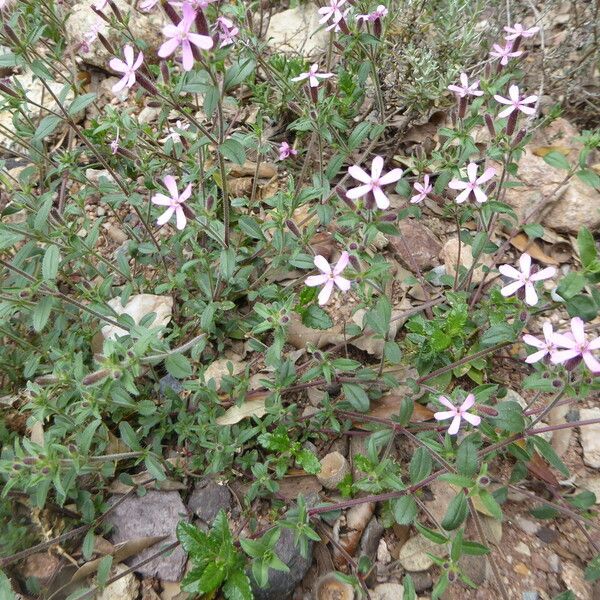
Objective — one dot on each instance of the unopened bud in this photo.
(344, 26)
(487, 71)
(557, 383)
(512, 122)
(353, 246)
(516, 43)
(487, 410)
(201, 24)
(116, 11)
(171, 13)
(29, 460)
(523, 316)
(483, 481)
(107, 45)
(354, 262)
(126, 153)
(100, 14)
(6, 89)
(491, 187)
(293, 228)
(377, 27)
(11, 34)
(46, 471)
(117, 374)
(147, 84)
(462, 107)
(72, 448)
(164, 71)
(17, 466)
(209, 203)
(314, 94)
(95, 377)
(46, 379)
(490, 124)
(389, 217)
(452, 576)
(519, 137)
(284, 320)
(318, 356)
(188, 211)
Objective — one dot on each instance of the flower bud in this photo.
(344, 26)
(46, 471)
(516, 43)
(389, 217)
(95, 377)
(46, 379)
(107, 45)
(293, 228)
(353, 246)
(354, 262)
(201, 24)
(487, 410)
(164, 71)
(30, 460)
(100, 14)
(557, 383)
(523, 316)
(377, 27)
(483, 481)
(17, 466)
(147, 84)
(188, 211)
(462, 107)
(72, 448)
(171, 13)
(209, 203)
(284, 320)
(318, 355)
(126, 153)
(519, 137)
(487, 71)
(512, 122)
(117, 374)
(116, 11)
(452, 576)
(490, 124)
(6, 89)
(314, 94)
(11, 34)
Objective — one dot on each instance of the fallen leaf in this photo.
(292, 487)
(248, 169)
(234, 414)
(219, 368)
(389, 405)
(137, 307)
(121, 552)
(538, 467)
(299, 335)
(543, 150)
(522, 243)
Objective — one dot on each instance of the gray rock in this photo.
(154, 514)
(526, 525)
(546, 534)
(590, 437)
(422, 581)
(167, 384)
(281, 585)
(294, 31)
(476, 568)
(369, 542)
(388, 591)
(146, 26)
(530, 596)
(418, 245)
(207, 499)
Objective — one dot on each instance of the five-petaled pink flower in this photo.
(517, 30)
(373, 182)
(472, 186)
(334, 10)
(464, 89)
(128, 68)
(457, 413)
(100, 4)
(504, 53)
(422, 189)
(285, 151)
(380, 12)
(175, 132)
(515, 102)
(173, 202)
(329, 276)
(181, 35)
(578, 346)
(546, 347)
(524, 277)
(147, 5)
(313, 75)
(114, 145)
(227, 31)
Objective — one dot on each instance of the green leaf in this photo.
(407, 407)
(308, 461)
(316, 318)
(227, 263)
(592, 571)
(232, 150)
(582, 501)
(533, 230)
(154, 467)
(589, 177)
(237, 586)
(466, 459)
(587, 247)
(378, 319)
(490, 504)
(211, 578)
(557, 160)
(356, 396)
(80, 103)
(46, 127)
(435, 536)
(129, 436)
(420, 465)
(548, 452)
(474, 548)
(178, 366)
(392, 352)
(510, 417)
(194, 541)
(50, 262)
(41, 312)
(410, 592)
(238, 72)
(405, 510)
(359, 134)
(582, 306)
(457, 512)
(251, 227)
(498, 334)
(571, 284)
(104, 569)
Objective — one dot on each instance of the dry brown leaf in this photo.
(234, 414)
(389, 405)
(37, 433)
(121, 552)
(137, 307)
(291, 487)
(543, 150)
(522, 243)
(538, 467)
(248, 169)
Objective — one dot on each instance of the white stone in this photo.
(137, 307)
(125, 588)
(413, 555)
(590, 437)
(388, 591)
(294, 31)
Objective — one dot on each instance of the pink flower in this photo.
(517, 31)
(457, 413)
(524, 277)
(373, 182)
(332, 11)
(100, 4)
(313, 76)
(174, 132)
(337, 25)
(577, 346)
(422, 190)
(285, 151)
(114, 145)
(505, 53)
(545, 347)
(329, 277)
(379, 13)
(195, 4)
(472, 186)
(465, 89)
(147, 5)
(174, 202)
(128, 68)
(515, 102)
(228, 31)
(182, 36)
(91, 35)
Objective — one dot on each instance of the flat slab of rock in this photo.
(294, 31)
(590, 437)
(413, 555)
(207, 499)
(418, 245)
(155, 514)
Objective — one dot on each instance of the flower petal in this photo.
(506, 112)
(315, 280)
(343, 283)
(181, 218)
(531, 296)
(486, 176)
(468, 402)
(462, 197)
(342, 263)
(358, 173)
(457, 184)
(577, 328)
(376, 167)
(543, 274)
(442, 416)
(533, 341)
(322, 264)
(168, 47)
(592, 364)
(116, 64)
(381, 199)
(472, 172)
(454, 426)
(391, 177)
(171, 185)
(161, 200)
(443, 400)
(204, 42)
(358, 192)
(120, 84)
(511, 288)
(165, 216)
(128, 53)
(509, 271)
(525, 264)
(186, 193)
(480, 195)
(325, 293)
(564, 341)
(536, 356)
(475, 420)
(594, 344)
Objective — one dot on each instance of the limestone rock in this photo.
(413, 555)
(449, 255)
(419, 241)
(145, 26)
(590, 437)
(125, 588)
(388, 591)
(154, 514)
(294, 31)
